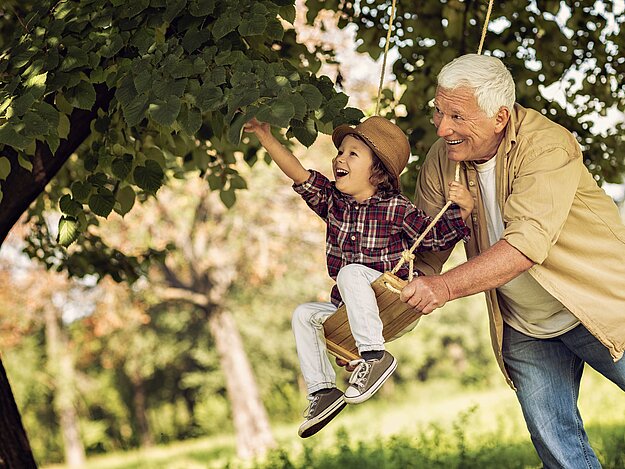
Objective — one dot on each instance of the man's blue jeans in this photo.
(547, 374)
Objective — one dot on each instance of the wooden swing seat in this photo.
(397, 319)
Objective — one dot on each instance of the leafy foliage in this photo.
(573, 48)
(179, 79)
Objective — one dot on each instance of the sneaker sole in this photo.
(312, 426)
(373, 389)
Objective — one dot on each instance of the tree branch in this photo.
(22, 187)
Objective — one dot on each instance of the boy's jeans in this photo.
(354, 283)
(547, 374)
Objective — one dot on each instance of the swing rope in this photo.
(407, 255)
(386, 44)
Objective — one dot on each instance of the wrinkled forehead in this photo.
(459, 100)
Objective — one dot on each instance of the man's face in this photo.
(468, 132)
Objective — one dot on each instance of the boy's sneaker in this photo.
(323, 408)
(368, 377)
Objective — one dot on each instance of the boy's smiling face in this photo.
(352, 169)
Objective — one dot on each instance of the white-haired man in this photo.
(548, 249)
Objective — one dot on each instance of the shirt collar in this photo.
(375, 198)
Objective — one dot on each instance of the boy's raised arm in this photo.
(285, 160)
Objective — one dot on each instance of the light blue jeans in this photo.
(354, 283)
(547, 374)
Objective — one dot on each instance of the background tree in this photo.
(140, 91)
(566, 57)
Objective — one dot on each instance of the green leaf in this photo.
(64, 126)
(24, 163)
(190, 120)
(10, 137)
(133, 8)
(306, 133)
(126, 198)
(299, 104)
(236, 129)
(75, 58)
(53, 142)
(68, 231)
(126, 91)
(288, 13)
(149, 177)
(210, 98)
(112, 46)
(38, 82)
(165, 112)
(69, 206)
(278, 113)
(237, 182)
(82, 95)
(312, 95)
(121, 167)
(81, 190)
(135, 111)
(193, 38)
(228, 197)
(22, 104)
(226, 23)
(102, 202)
(173, 8)
(253, 26)
(5, 167)
(215, 182)
(201, 7)
(143, 81)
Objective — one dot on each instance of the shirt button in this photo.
(472, 183)
(353, 238)
(474, 217)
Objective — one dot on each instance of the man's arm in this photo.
(494, 267)
(285, 160)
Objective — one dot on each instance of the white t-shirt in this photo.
(525, 304)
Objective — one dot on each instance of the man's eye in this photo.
(457, 117)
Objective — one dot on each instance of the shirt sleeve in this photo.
(540, 200)
(316, 192)
(436, 172)
(445, 233)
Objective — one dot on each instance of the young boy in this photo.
(369, 224)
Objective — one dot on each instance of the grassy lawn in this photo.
(427, 414)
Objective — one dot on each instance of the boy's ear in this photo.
(501, 119)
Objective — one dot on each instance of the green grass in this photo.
(427, 425)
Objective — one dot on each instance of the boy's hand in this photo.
(460, 195)
(257, 127)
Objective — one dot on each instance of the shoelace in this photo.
(308, 411)
(359, 375)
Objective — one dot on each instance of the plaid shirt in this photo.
(375, 232)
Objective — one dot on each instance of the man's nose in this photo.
(443, 127)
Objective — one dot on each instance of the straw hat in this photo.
(386, 140)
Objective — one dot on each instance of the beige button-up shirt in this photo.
(554, 212)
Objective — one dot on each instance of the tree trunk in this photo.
(61, 368)
(15, 450)
(251, 423)
(25, 187)
(140, 410)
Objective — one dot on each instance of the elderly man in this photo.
(548, 249)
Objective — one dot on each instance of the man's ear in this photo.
(501, 119)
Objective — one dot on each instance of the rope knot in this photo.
(407, 256)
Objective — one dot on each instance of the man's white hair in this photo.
(488, 76)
